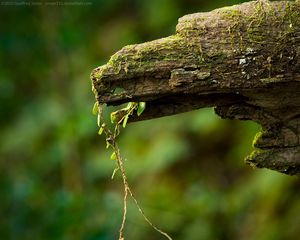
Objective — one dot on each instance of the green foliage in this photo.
(101, 129)
(113, 117)
(95, 109)
(120, 116)
(113, 156)
(141, 108)
(125, 120)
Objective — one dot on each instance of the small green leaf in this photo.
(100, 130)
(113, 156)
(141, 108)
(129, 105)
(95, 108)
(125, 120)
(113, 117)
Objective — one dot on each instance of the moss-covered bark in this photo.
(243, 60)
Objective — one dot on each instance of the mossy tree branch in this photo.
(243, 60)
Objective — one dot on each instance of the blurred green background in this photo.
(187, 171)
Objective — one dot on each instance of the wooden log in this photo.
(243, 60)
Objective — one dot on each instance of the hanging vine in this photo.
(120, 118)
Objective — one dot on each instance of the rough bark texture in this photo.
(243, 60)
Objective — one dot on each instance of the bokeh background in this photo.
(187, 171)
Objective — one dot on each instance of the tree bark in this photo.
(243, 60)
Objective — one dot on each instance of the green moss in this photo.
(231, 14)
(234, 16)
(254, 34)
(290, 24)
(137, 57)
(254, 158)
(256, 138)
(252, 23)
(256, 21)
(291, 14)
